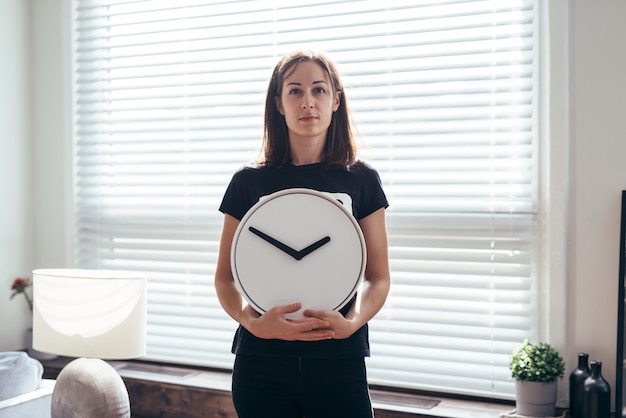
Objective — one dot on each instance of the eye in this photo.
(295, 91)
(320, 90)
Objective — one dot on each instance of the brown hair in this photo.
(339, 148)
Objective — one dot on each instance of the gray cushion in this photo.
(19, 374)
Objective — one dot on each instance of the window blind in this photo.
(169, 103)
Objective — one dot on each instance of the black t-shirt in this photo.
(248, 185)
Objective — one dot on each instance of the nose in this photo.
(307, 102)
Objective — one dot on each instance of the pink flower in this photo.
(19, 286)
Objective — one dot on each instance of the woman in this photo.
(311, 367)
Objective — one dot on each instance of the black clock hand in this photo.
(308, 250)
(275, 243)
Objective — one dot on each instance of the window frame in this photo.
(553, 170)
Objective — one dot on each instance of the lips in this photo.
(308, 118)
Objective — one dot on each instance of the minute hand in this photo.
(275, 243)
(308, 250)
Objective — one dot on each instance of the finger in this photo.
(318, 335)
(313, 313)
(285, 309)
(309, 324)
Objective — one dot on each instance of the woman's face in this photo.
(307, 102)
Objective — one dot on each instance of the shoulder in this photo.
(247, 172)
(362, 169)
(242, 192)
(361, 166)
(248, 169)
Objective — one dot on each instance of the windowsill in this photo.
(446, 408)
(386, 402)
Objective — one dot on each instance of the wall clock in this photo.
(298, 245)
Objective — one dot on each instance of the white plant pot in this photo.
(535, 399)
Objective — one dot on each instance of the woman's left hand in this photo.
(342, 326)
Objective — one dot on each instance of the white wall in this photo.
(16, 211)
(598, 175)
(51, 130)
(33, 152)
(597, 146)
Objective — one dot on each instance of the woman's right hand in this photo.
(273, 325)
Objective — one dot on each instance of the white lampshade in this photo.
(89, 313)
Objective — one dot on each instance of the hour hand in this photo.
(287, 249)
(308, 250)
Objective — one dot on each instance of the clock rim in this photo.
(298, 190)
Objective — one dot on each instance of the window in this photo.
(168, 104)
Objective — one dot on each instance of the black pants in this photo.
(294, 388)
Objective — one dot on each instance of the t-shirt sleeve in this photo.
(236, 200)
(373, 194)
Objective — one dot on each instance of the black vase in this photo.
(596, 394)
(577, 384)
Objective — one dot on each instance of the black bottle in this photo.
(577, 384)
(596, 394)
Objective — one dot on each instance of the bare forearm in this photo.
(229, 298)
(369, 303)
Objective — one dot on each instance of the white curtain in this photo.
(169, 103)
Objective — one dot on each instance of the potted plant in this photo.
(535, 368)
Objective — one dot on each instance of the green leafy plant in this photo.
(536, 363)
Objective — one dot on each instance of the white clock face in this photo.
(298, 245)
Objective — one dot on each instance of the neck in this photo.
(304, 161)
(303, 153)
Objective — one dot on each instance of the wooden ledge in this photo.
(157, 391)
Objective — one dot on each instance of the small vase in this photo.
(596, 394)
(577, 384)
